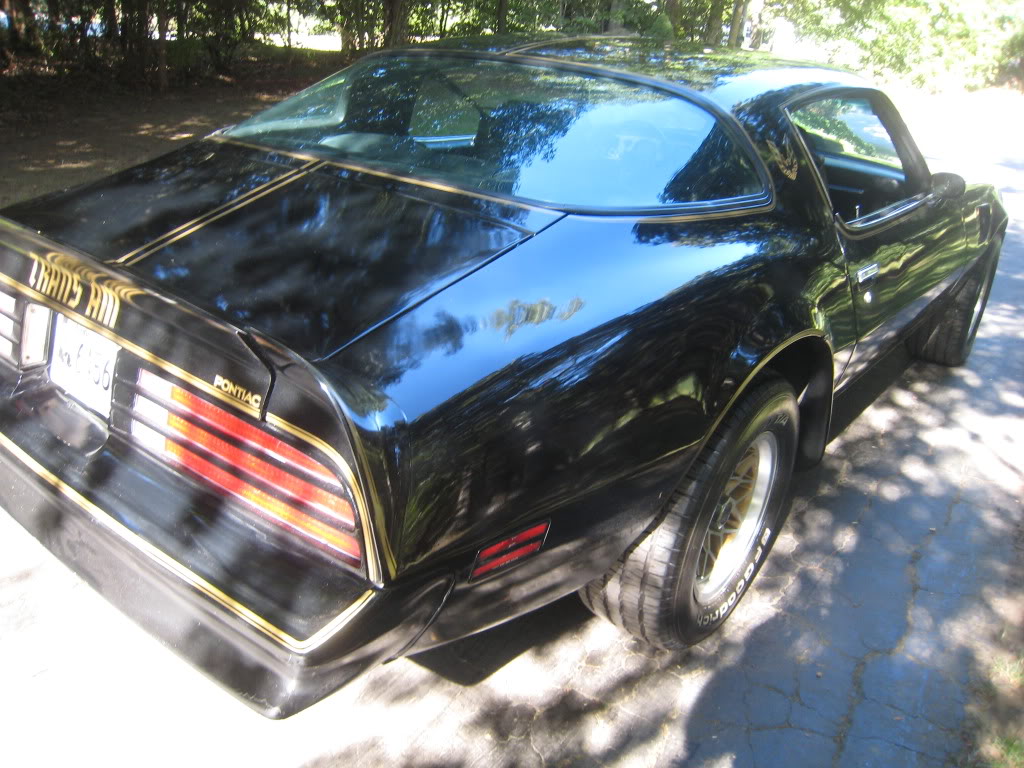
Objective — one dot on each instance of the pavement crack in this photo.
(855, 697)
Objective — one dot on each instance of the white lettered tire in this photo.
(685, 576)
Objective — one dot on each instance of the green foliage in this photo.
(661, 28)
(224, 25)
(1010, 63)
(923, 41)
(187, 58)
(926, 41)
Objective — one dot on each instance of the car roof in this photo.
(732, 78)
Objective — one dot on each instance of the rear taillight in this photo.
(279, 483)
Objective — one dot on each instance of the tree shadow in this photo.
(473, 659)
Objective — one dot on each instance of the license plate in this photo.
(82, 364)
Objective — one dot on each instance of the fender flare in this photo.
(805, 359)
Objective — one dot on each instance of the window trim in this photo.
(914, 164)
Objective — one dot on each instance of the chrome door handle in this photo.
(866, 273)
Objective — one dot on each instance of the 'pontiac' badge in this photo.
(236, 391)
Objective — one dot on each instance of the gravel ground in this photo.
(894, 590)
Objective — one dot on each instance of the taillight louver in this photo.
(10, 327)
(271, 478)
(510, 550)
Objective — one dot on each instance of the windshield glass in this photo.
(540, 133)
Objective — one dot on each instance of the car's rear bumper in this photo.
(228, 645)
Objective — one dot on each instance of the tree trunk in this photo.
(673, 11)
(615, 26)
(502, 26)
(134, 38)
(21, 26)
(739, 20)
(442, 19)
(348, 39)
(53, 15)
(396, 14)
(759, 28)
(713, 28)
(181, 20)
(161, 50)
(288, 13)
(10, 39)
(109, 20)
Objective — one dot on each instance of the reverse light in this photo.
(35, 333)
(273, 479)
(24, 331)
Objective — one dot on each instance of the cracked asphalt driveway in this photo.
(896, 584)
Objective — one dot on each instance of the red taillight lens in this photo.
(275, 480)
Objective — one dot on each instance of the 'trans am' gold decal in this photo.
(68, 281)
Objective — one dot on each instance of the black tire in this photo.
(948, 338)
(662, 589)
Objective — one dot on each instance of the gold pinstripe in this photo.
(139, 254)
(385, 175)
(373, 558)
(134, 348)
(171, 565)
(218, 209)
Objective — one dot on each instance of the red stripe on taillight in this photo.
(519, 538)
(508, 557)
(275, 480)
(234, 426)
(319, 499)
(273, 509)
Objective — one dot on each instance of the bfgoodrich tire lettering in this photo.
(685, 576)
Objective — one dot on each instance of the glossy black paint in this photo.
(481, 364)
(119, 214)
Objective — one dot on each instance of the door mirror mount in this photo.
(948, 186)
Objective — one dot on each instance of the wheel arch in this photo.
(804, 360)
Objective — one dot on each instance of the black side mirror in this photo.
(948, 186)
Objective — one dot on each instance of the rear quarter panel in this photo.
(574, 379)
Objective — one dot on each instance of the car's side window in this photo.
(855, 154)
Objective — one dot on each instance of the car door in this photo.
(902, 240)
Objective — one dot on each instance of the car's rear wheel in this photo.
(684, 577)
(949, 337)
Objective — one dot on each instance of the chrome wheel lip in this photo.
(732, 535)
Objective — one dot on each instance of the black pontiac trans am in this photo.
(461, 330)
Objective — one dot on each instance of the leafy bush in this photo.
(661, 28)
(1010, 64)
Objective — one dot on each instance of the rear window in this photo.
(544, 134)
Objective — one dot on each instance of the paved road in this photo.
(895, 584)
